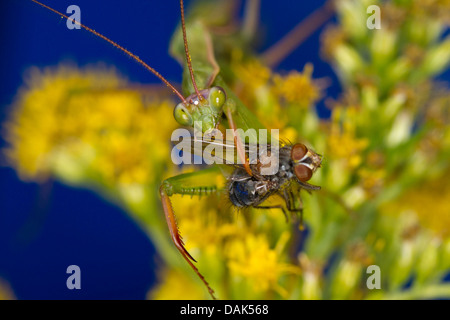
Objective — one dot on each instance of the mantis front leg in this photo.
(229, 110)
(239, 116)
(196, 183)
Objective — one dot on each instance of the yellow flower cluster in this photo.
(87, 122)
(5, 291)
(276, 99)
(331, 39)
(440, 9)
(429, 203)
(251, 73)
(253, 85)
(253, 261)
(202, 228)
(343, 142)
(387, 134)
(39, 118)
(174, 285)
(298, 87)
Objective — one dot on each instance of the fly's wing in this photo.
(209, 151)
(218, 151)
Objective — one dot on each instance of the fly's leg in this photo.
(194, 183)
(275, 207)
(290, 203)
(288, 196)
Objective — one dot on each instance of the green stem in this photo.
(434, 291)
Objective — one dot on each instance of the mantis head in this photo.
(206, 108)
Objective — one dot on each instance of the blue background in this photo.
(44, 229)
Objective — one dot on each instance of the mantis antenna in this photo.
(186, 50)
(127, 52)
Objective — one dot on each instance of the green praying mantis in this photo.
(206, 99)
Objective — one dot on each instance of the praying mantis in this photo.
(207, 99)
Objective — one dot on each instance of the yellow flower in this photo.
(253, 87)
(372, 180)
(202, 227)
(343, 144)
(312, 270)
(250, 73)
(349, 270)
(289, 134)
(5, 291)
(429, 202)
(343, 140)
(393, 15)
(254, 261)
(330, 40)
(86, 123)
(38, 122)
(432, 9)
(175, 285)
(298, 87)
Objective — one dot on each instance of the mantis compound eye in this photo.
(217, 98)
(182, 116)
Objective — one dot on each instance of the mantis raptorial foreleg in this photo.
(196, 183)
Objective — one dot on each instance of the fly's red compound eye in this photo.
(298, 151)
(303, 173)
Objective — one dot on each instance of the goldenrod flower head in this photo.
(373, 174)
(343, 143)
(253, 87)
(203, 228)
(40, 116)
(429, 202)
(346, 146)
(174, 285)
(289, 134)
(414, 53)
(372, 180)
(73, 121)
(432, 9)
(312, 277)
(252, 74)
(393, 15)
(5, 291)
(254, 260)
(298, 87)
(349, 271)
(330, 40)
